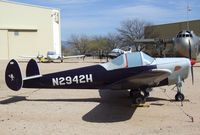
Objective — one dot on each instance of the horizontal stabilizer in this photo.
(32, 68)
(13, 76)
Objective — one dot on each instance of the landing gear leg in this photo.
(146, 92)
(179, 96)
(131, 93)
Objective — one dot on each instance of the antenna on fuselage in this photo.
(188, 10)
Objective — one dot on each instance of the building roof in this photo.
(170, 30)
(176, 23)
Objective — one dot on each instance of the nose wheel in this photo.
(179, 96)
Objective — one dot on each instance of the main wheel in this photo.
(139, 99)
(179, 97)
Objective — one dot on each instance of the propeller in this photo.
(192, 61)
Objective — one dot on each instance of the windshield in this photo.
(147, 59)
(51, 53)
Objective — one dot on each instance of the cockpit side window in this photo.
(183, 34)
(147, 60)
(178, 36)
(51, 53)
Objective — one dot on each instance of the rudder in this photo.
(32, 68)
(13, 76)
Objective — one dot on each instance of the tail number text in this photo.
(78, 79)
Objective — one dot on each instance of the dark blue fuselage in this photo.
(92, 77)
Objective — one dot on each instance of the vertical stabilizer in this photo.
(32, 68)
(13, 76)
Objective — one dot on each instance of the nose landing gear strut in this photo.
(179, 96)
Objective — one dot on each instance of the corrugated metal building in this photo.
(28, 30)
(167, 31)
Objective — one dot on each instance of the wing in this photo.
(153, 41)
(27, 57)
(145, 41)
(73, 56)
(145, 79)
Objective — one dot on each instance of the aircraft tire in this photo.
(139, 99)
(179, 97)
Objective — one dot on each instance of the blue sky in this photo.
(99, 17)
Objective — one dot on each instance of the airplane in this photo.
(177, 46)
(136, 71)
(52, 56)
(116, 52)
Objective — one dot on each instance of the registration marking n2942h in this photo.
(68, 80)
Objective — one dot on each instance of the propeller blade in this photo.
(190, 56)
(192, 74)
(190, 50)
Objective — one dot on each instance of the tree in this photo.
(130, 30)
(98, 45)
(79, 43)
(113, 41)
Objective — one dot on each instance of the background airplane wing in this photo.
(153, 41)
(73, 56)
(24, 56)
(39, 58)
(148, 78)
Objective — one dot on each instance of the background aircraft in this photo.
(177, 46)
(136, 71)
(117, 52)
(52, 56)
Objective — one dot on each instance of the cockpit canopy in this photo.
(51, 53)
(117, 50)
(129, 60)
(184, 34)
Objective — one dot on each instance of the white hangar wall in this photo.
(26, 30)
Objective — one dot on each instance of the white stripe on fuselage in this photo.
(32, 77)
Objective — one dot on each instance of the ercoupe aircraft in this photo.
(52, 56)
(136, 71)
(177, 46)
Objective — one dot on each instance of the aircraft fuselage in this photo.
(182, 41)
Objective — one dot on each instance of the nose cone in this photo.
(178, 67)
(193, 62)
(182, 47)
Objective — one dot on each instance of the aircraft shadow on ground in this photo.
(113, 106)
